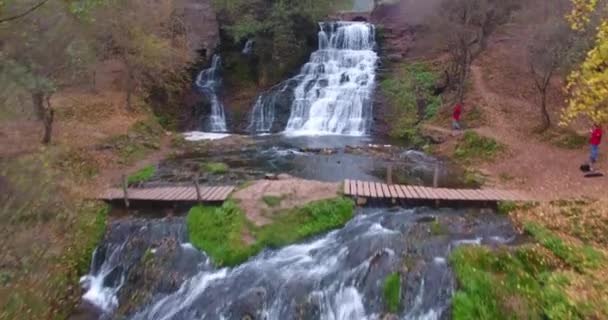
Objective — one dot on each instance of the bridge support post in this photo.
(125, 188)
(198, 190)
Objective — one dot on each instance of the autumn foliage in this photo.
(588, 85)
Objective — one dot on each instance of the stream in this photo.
(145, 267)
(338, 275)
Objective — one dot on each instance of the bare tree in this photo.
(463, 26)
(147, 37)
(24, 13)
(548, 50)
(42, 52)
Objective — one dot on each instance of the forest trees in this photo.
(588, 85)
(147, 37)
(42, 52)
(282, 30)
(464, 26)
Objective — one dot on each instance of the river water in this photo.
(334, 276)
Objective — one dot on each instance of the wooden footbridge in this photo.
(375, 190)
(170, 194)
(352, 188)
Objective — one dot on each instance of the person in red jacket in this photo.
(595, 140)
(456, 117)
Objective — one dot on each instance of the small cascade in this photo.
(334, 94)
(209, 82)
(248, 48)
(264, 111)
(129, 242)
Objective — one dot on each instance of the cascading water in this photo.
(248, 48)
(264, 111)
(334, 95)
(209, 82)
(124, 247)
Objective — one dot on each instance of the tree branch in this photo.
(23, 14)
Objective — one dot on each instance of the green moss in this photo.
(392, 292)
(506, 207)
(296, 224)
(219, 230)
(473, 179)
(142, 175)
(272, 201)
(581, 258)
(404, 89)
(215, 167)
(437, 228)
(474, 147)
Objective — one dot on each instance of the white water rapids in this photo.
(334, 94)
(209, 82)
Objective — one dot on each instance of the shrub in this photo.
(142, 175)
(392, 292)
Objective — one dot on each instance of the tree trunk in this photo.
(38, 102)
(49, 114)
(544, 113)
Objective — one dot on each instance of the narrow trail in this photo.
(545, 171)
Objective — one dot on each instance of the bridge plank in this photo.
(347, 187)
(353, 187)
(366, 189)
(213, 195)
(373, 190)
(387, 191)
(379, 190)
(394, 193)
(359, 188)
(400, 193)
(413, 192)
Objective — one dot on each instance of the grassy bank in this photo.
(222, 231)
(474, 147)
(410, 93)
(556, 276)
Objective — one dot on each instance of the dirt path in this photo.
(544, 170)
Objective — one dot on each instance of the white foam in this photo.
(200, 136)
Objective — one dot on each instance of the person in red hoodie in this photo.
(595, 140)
(456, 117)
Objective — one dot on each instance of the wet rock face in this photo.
(138, 259)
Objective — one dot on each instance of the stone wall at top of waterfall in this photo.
(334, 95)
(333, 91)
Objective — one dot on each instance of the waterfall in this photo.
(209, 82)
(264, 111)
(334, 94)
(248, 48)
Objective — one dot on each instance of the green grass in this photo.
(581, 258)
(509, 285)
(412, 82)
(529, 281)
(566, 139)
(474, 147)
(437, 228)
(142, 175)
(219, 230)
(506, 207)
(143, 137)
(215, 168)
(392, 292)
(272, 201)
